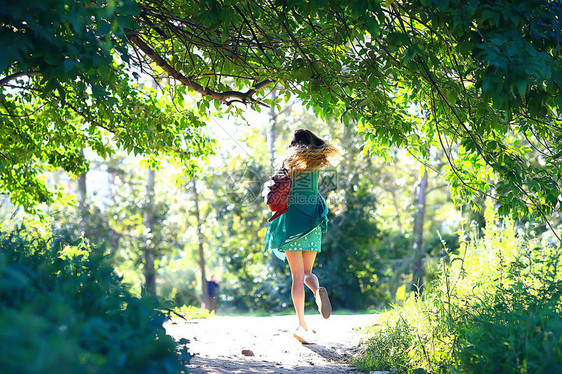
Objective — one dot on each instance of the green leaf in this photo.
(521, 86)
(373, 27)
(104, 28)
(69, 65)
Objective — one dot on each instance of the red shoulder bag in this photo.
(276, 193)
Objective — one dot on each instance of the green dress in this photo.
(300, 228)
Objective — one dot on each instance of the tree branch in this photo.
(220, 96)
(89, 119)
(5, 80)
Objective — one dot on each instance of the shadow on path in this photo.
(206, 365)
(330, 353)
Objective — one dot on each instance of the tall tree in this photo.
(200, 242)
(418, 250)
(149, 246)
(82, 188)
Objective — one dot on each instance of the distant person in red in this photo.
(212, 285)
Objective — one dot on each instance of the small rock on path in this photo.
(218, 343)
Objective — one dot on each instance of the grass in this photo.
(386, 350)
(189, 312)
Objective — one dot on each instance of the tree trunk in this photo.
(82, 192)
(271, 133)
(417, 271)
(204, 285)
(149, 268)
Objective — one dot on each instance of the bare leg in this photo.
(320, 293)
(310, 279)
(295, 259)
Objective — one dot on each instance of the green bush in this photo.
(64, 310)
(495, 308)
(386, 350)
(518, 328)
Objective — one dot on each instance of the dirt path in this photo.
(218, 343)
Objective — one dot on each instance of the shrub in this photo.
(387, 349)
(517, 329)
(495, 308)
(64, 310)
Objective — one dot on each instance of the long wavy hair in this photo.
(308, 152)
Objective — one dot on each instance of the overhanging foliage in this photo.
(485, 76)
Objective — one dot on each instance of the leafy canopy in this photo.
(67, 86)
(485, 76)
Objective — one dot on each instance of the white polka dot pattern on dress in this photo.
(309, 242)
